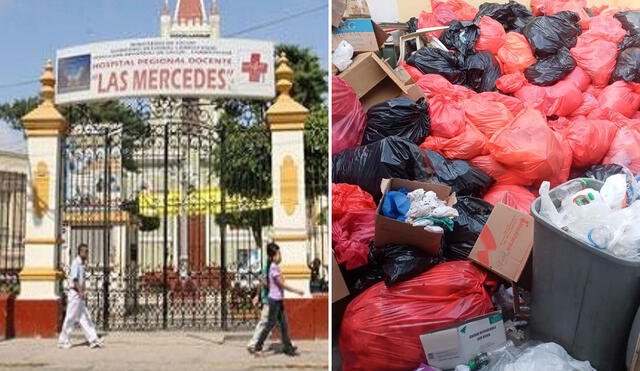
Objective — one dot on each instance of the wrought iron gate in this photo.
(174, 230)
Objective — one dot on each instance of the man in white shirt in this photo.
(77, 312)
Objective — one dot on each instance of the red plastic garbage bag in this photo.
(515, 55)
(498, 171)
(597, 57)
(563, 98)
(513, 104)
(351, 235)
(348, 119)
(589, 103)
(620, 97)
(492, 35)
(381, 327)
(469, 144)
(561, 175)
(625, 149)
(577, 6)
(579, 78)
(511, 83)
(528, 146)
(414, 72)
(432, 85)
(515, 196)
(441, 15)
(605, 28)
(487, 116)
(348, 197)
(447, 117)
(589, 139)
(464, 11)
(534, 96)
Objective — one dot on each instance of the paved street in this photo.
(157, 351)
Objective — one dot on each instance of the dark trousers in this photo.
(276, 313)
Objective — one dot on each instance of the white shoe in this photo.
(95, 344)
(64, 345)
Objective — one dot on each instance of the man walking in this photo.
(77, 312)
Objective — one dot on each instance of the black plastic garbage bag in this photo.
(602, 172)
(438, 61)
(513, 16)
(401, 117)
(461, 37)
(547, 71)
(474, 213)
(401, 262)
(627, 66)
(366, 166)
(630, 21)
(482, 70)
(548, 34)
(464, 178)
(412, 26)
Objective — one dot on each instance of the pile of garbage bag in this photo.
(516, 101)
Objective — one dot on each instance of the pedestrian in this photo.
(77, 312)
(276, 307)
(262, 297)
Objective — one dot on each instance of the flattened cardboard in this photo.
(357, 9)
(392, 231)
(454, 345)
(505, 242)
(373, 80)
(337, 11)
(357, 32)
(339, 288)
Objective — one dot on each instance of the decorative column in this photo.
(37, 308)
(286, 119)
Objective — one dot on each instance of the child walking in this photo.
(276, 307)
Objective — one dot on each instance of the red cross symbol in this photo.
(254, 68)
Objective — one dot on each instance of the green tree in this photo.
(309, 79)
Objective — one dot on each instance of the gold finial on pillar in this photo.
(48, 81)
(45, 120)
(284, 75)
(285, 113)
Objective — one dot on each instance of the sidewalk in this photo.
(183, 351)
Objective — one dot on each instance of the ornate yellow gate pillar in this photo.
(37, 307)
(286, 119)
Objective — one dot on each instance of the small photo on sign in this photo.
(73, 73)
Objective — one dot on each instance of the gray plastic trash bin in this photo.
(582, 298)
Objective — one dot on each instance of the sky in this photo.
(32, 30)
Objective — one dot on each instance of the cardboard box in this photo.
(373, 80)
(392, 231)
(505, 242)
(339, 288)
(357, 32)
(414, 92)
(337, 11)
(458, 344)
(357, 9)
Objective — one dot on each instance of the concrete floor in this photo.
(180, 351)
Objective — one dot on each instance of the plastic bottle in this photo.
(584, 197)
(562, 191)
